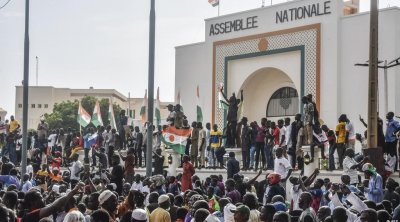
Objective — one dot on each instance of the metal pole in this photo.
(386, 105)
(37, 70)
(373, 78)
(25, 93)
(129, 105)
(150, 101)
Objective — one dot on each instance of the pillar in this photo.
(176, 160)
(310, 167)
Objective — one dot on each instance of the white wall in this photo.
(192, 65)
(354, 80)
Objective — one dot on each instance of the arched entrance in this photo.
(269, 89)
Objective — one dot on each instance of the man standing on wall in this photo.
(194, 150)
(316, 113)
(11, 139)
(215, 143)
(246, 133)
(341, 138)
(232, 116)
(202, 144)
(351, 139)
(42, 131)
(308, 120)
(392, 127)
(123, 126)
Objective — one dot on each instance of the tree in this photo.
(65, 113)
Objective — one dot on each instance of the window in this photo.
(20, 105)
(46, 106)
(33, 106)
(39, 106)
(284, 102)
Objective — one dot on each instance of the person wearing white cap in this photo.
(139, 215)
(74, 216)
(375, 185)
(161, 214)
(108, 202)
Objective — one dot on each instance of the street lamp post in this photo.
(25, 92)
(385, 68)
(150, 103)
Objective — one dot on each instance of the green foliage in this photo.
(65, 113)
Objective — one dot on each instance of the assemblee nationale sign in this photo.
(233, 26)
(287, 15)
(307, 11)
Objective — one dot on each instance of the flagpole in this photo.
(150, 97)
(25, 92)
(218, 7)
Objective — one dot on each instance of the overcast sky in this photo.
(104, 43)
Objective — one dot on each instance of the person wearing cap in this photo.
(375, 185)
(139, 215)
(161, 214)
(108, 201)
(241, 213)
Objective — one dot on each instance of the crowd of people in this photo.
(58, 186)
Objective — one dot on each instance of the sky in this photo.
(104, 43)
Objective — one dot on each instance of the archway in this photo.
(260, 87)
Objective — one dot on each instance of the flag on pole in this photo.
(157, 107)
(83, 116)
(143, 108)
(111, 116)
(214, 2)
(176, 138)
(222, 103)
(96, 117)
(179, 100)
(198, 110)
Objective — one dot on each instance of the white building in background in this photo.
(42, 99)
(279, 53)
(3, 114)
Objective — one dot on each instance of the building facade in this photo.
(278, 54)
(42, 99)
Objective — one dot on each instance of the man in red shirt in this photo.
(275, 134)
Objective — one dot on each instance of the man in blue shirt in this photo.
(10, 179)
(392, 127)
(375, 185)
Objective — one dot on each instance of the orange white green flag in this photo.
(176, 138)
(96, 117)
(199, 112)
(143, 108)
(214, 2)
(111, 116)
(179, 100)
(157, 108)
(83, 116)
